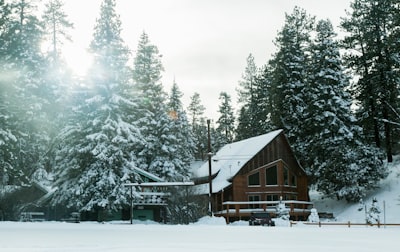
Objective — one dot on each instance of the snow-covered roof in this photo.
(230, 159)
(148, 175)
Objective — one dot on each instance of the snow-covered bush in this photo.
(373, 213)
(282, 211)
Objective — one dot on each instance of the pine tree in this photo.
(57, 76)
(226, 121)
(96, 154)
(289, 68)
(243, 129)
(246, 94)
(158, 154)
(8, 139)
(198, 122)
(372, 28)
(27, 91)
(56, 26)
(339, 164)
(182, 144)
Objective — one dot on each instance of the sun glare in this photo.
(78, 59)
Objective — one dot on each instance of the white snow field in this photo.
(57, 236)
(212, 234)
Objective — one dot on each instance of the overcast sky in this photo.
(204, 43)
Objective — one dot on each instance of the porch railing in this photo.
(241, 209)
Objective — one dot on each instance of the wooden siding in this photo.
(278, 152)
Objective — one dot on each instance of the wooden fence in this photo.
(348, 224)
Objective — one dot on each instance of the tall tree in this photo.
(372, 28)
(96, 154)
(26, 63)
(198, 122)
(226, 121)
(8, 133)
(157, 154)
(182, 140)
(338, 163)
(56, 26)
(246, 100)
(289, 68)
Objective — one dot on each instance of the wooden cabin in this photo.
(255, 175)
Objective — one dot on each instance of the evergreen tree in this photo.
(243, 129)
(339, 164)
(372, 38)
(182, 143)
(198, 122)
(27, 93)
(8, 139)
(56, 26)
(157, 155)
(57, 76)
(96, 154)
(246, 100)
(289, 75)
(261, 104)
(226, 121)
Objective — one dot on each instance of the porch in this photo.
(241, 210)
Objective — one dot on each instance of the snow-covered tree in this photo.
(158, 154)
(337, 161)
(246, 94)
(373, 213)
(27, 93)
(289, 68)
(96, 155)
(226, 121)
(182, 140)
(372, 55)
(56, 25)
(198, 123)
(246, 84)
(282, 211)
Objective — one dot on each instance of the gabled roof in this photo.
(228, 161)
(148, 175)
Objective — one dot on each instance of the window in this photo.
(272, 197)
(253, 179)
(271, 175)
(285, 176)
(254, 198)
(294, 180)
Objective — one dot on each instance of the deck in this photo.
(238, 210)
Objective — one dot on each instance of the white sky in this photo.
(204, 43)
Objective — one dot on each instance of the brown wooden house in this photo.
(255, 175)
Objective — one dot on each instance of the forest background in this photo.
(337, 101)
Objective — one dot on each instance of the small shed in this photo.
(255, 174)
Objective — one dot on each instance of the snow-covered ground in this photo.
(52, 236)
(388, 196)
(212, 234)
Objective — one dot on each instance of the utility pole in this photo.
(209, 170)
(131, 204)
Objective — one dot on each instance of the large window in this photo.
(285, 176)
(272, 197)
(254, 179)
(254, 198)
(271, 175)
(294, 180)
